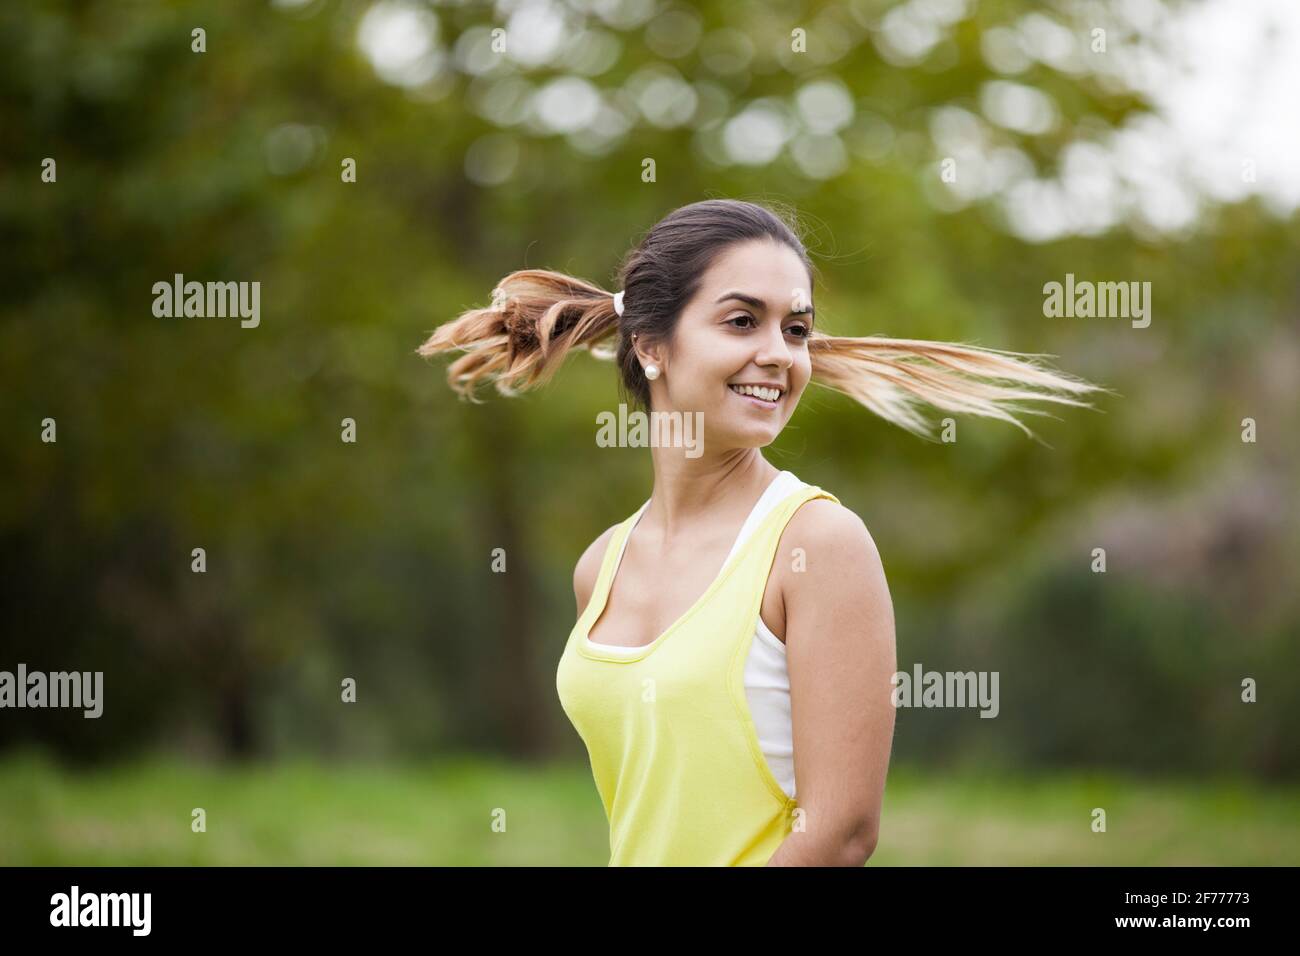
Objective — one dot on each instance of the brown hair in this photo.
(537, 317)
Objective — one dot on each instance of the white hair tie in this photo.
(618, 302)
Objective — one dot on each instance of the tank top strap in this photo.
(613, 553)
(767, 534)
(782, 485)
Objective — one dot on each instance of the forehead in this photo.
(767, 269)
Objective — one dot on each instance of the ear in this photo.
(650, 354)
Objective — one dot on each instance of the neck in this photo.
(721, 485)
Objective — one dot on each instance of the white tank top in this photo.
(767, 681)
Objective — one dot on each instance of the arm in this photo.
(841, 657)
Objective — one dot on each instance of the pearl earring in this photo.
(652, 372)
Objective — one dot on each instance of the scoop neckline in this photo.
(591, 649)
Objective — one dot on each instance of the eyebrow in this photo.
(759, 304)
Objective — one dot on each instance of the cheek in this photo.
(698, 378)
(713, 366)
(801, 373)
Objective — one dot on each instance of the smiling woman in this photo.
(725, 681)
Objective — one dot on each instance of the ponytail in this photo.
(892, 376)
(538, 317)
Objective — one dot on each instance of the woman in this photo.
(735, 637)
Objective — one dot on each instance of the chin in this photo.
(752, 437)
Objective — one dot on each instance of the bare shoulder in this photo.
(836, 556)
(588, 567)
(833, 531)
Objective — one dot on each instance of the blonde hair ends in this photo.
(891, 377)
(519, 342)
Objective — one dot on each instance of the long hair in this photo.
(537, 317)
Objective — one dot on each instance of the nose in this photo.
(773, 350)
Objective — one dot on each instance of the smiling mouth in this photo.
(768, 395)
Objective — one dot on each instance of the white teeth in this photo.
(767, 394)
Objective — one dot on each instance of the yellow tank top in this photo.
(673, 748)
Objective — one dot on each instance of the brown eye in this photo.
(741, 317)
(804, 331)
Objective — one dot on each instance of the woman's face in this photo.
(747, 325)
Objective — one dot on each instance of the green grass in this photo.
(311, 813)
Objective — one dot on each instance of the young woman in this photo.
(735, 637)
